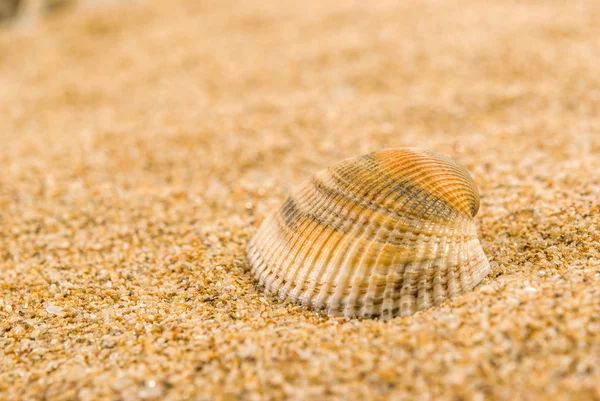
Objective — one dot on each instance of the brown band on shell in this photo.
(340, 219)
(401, 172)
(434, 172)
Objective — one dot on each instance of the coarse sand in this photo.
(141, 143)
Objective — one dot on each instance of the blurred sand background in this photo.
(142, 142)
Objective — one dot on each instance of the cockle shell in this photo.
(385, 234)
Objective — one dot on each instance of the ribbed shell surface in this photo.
(384, 234)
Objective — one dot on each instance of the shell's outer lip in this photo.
(384, 234)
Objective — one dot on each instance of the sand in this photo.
(141, 143)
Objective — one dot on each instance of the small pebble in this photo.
(487, 289)
(55, 310)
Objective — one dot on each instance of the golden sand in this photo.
(141, 144)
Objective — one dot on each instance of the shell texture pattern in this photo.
(380, 235)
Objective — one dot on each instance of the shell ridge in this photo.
(445, 164)
(346, 243)
(374, 291)
(261, 270)
(312, 227)
(404, 302)
(347, 255)
(354, 236)
(465, 260)
(286, 223)
(410, 289)
(459, 259)
(392, 280)
(375, 208)
(345, 188)
(440, 289)
(355, 282)
(374, 265)
(258, 240)
(360, 262)
(480, 266)
(450, 264)
(272, 253)
(313, 257)
(275, 247)
(355, 286)
(263, 232)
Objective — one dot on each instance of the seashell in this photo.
(384, 234)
